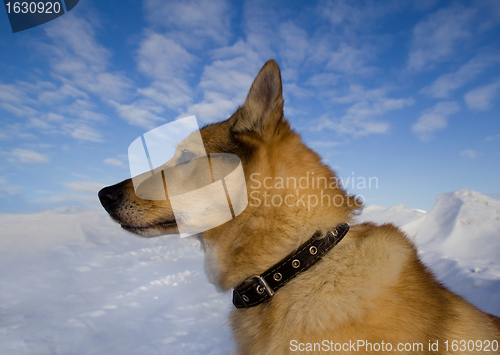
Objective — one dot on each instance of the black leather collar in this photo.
(260, 288)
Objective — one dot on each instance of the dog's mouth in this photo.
(153, 230)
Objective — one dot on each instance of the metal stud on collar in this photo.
(296, 263)
(313, 250)
(277, 277)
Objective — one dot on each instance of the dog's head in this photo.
(290, 191)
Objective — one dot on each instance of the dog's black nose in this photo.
(110, 196)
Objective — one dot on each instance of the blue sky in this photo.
(406, 92)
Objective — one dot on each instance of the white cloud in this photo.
(353, 17)
(291, 111)
(192, 21)
(74, 124)
(15, 131)
(10, 93)
(352, 124)
(225, 82)
(357, 93)
(323, 79)
(78, 110)
(295, 90)
(293, 48)
(443, 85)
(227, 76)
(481, 98)
(38, 123)
(261, 20)
(168, 63)
(226, 79)
(138, 114)
(54, 117)
(104, 84)
(353, 39)
(347, 59)
(13, 98)
(338, 55)
(113, 162)
(434, 119)
(424, 5)
(84, 186)
(469, 153)
(83, 192)
(361, 117)
(72, 119)
(491, 138)
(341, 13)
(88, 200)
(437, 37)
(7, 189)
(19, 110)
(84, 132)
(27, 156)
(78, 41)
(214, 107)
(174, 93)
(61, 94)
(329, 144)
(77, 56)
(79, 67)
(161, 57)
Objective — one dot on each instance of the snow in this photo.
(73, 282)
(459, 239)
(78, 284)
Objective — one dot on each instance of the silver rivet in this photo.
(277, 277)
(335, 232)
(313, 250)
(296, 263)
(260, 289)
(245, 298)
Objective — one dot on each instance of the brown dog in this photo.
(370, 294)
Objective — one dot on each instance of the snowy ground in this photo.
(459, 239)
(75, 283)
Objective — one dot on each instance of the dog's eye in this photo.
(186, 156)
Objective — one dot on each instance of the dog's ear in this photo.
(263, 107)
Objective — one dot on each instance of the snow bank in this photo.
(75, 283)
(459, 239)
(79, 284)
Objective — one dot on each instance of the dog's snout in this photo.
(110, 196)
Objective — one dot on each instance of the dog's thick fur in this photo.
(370, 287)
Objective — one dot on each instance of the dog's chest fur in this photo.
(371, 287)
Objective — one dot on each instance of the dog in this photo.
(366, 293)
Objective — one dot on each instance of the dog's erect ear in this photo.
(263, 107)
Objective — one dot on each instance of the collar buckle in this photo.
(263, 286)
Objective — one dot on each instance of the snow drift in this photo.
(75, 283)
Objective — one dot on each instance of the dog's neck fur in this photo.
(266, 232)
(247, 245)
